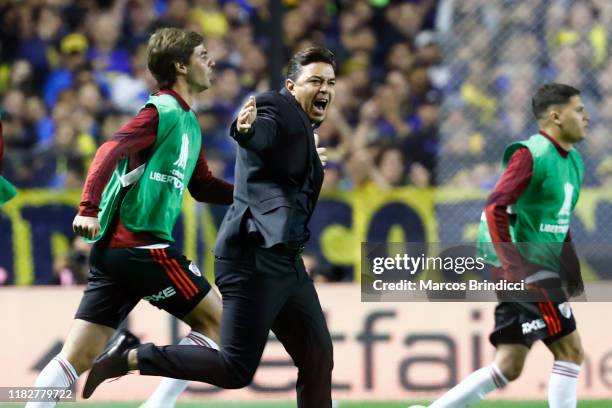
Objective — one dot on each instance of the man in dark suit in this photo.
(258, 264)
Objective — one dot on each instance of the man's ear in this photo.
(180, 68)
(290, 85)
(555, 117)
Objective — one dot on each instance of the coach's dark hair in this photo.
(551, 94)
(308, 56)
(166, 47)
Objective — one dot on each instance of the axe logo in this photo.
(533, 325)
(161, 295)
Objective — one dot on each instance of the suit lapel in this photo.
(300, 112)
(315, 163)
(309, 132)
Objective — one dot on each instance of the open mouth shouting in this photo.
(320, 104)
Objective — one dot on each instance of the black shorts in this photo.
(527, 322)
(120, 277)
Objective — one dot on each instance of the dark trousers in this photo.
(270, 290)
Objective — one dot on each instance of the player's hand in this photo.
(86, 227)
(321, 151)
(246, 116)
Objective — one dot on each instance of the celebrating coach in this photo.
(258, 263)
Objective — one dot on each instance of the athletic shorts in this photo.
(120, 277)
(527, 322)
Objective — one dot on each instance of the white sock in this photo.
(169, 389)
(562, 385)
(472, 389)
(57, 373)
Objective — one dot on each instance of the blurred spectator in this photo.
(604, 172)
(129, 92)
(22, 77)
(333, 176)
(175, 15)
(72, 267)
(138, 24)
(72, 60)
(429, 52)
(391, 168)
(105, 55)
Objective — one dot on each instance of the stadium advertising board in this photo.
(382, 351)
(39, 222)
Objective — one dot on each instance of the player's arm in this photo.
(135, 136)
(507, 191)
(570, 268)
(256, 127)
(207, 188)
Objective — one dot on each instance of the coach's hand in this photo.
(246, 116)
(86, 227)
(321, 151)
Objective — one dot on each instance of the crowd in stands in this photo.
(428, 91)
(498, 53)
(73, 71)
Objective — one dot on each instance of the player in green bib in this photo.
(7, 191)
(131, 201)
(525, 235)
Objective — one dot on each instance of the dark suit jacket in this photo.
(272, 164)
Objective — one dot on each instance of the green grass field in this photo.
(490, 404)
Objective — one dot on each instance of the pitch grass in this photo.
(489, 404)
